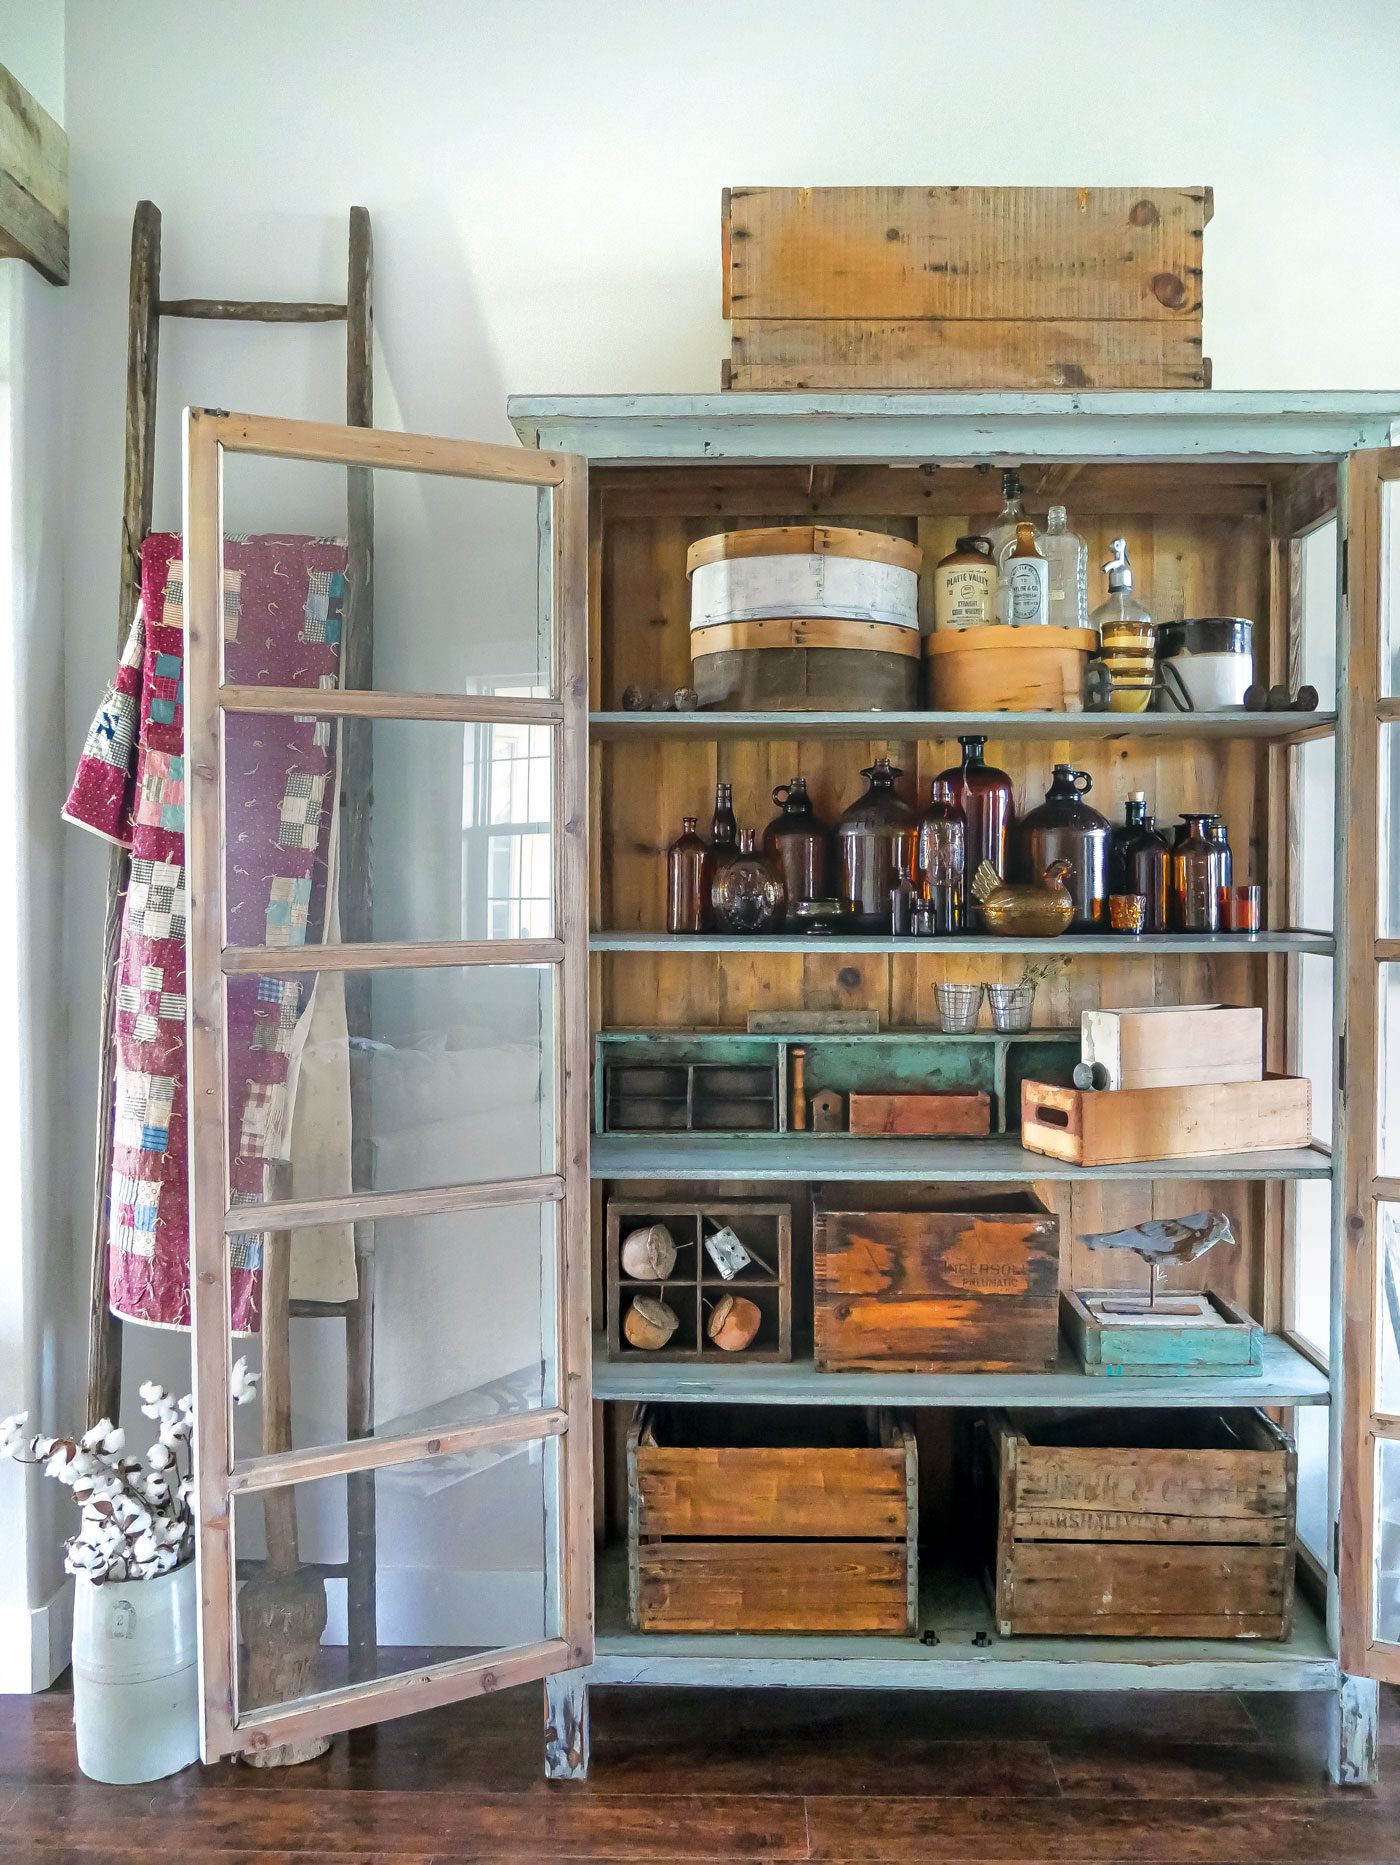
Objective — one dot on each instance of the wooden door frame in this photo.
(566, 1425)
(1358, 1186)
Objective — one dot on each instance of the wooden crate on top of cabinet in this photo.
(745, 1519)
(1111, 1127)
(1176, 1524)
(961, 1281)
(964, 288)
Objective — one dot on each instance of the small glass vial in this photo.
(1026, 577)
(1068, 556)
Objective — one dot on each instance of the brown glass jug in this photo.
(747, 893)
(875, 841)
(983, 794)
(941, 863)
(798, 845)
(1065, 828)
(1197, 871)
(687, 881)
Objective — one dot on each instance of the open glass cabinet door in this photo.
(1368, 1154)
(394, 1074)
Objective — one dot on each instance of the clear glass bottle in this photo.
(1002, 534)
(747, 894)
(1026, 576)
(1068, 556)
(941, 860)
(687, 881)
(1219, 835)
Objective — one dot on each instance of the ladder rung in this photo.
(303, 1308)
(253, 310)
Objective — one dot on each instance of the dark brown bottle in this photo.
(1197, 868)
(798, 844)
(747, 893)
(1148, 862)
(983, 794)
(723, 829)
(1122, 838)
(941, 863)
(875, 841)
(687, 881)
(1064, 827)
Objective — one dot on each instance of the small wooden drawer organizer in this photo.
(765, 1230)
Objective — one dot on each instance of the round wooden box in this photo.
(1000, 669)
(805, 618)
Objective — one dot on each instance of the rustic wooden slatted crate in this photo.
(1174, 1524)
(964, 287)
(964, 1281)
(772, 1520)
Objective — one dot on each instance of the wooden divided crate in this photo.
(963, 1280)
(1110, 1127)
(1168, 1524)
(764, 1229)
(964, 288)
(772, 1519)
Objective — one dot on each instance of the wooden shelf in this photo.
(1106, 945)
(953, 1605)
(808, 1038)
(620, 727)
(844, 1156)
(1286, 1377)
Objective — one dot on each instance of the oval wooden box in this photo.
(1001, 669)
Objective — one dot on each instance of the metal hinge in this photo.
(1342, 1066)
(1344, 565)
(1337, 1546)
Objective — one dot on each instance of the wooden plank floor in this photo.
(697, 1775)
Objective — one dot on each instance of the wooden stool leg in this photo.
(566, 1726)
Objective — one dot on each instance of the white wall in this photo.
(41, 1298)
(544, 181)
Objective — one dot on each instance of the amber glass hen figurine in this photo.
(1038, 910)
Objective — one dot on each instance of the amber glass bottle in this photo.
(687, 881)
(875, 841)
(747, 894)
(983, 794)
(724, 831)
(941, 860)
(798, 844)
(1148, 864)
(1197, 868)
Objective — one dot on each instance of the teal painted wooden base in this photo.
(1123, 1350)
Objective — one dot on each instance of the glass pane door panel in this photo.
(1314, 1038)
(1317, 585)
(1388, 1308)
(1389, 777)
(1387, 1613)
(462, 1318)
(1390, 583)
(459, 1569)
(1310, 1431)
(1315, 774)
(1388, 979)
(455, 603)
(389, 1081)
(1311, 1200)
(455, 842)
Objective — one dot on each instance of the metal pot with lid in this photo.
(1066, 828)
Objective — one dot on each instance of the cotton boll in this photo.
(160, 1456)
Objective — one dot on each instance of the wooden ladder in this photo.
(146, 309)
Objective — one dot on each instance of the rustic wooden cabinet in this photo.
(1218, 495)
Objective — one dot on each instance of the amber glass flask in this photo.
(941, 862)
(1197, 870)
(875, 841)
(1148, 864)
(983, 794)
(687, 881)
(798, 844)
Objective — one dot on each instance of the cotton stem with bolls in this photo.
(137, 1518)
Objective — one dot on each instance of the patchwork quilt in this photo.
(283, 607)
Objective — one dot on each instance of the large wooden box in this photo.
(1108, 1127)
(771, 1519)
(1168, 1524)
(1175, 1045)
(961, 1281)
(971, 288)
